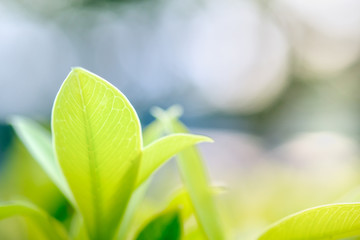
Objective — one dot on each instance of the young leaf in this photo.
(156, 154)
(38, 141)
(98, 143)
(165, 226)
(46, 224)
(334, 221)
(194, 177)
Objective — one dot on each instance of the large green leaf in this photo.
(157, 153)
(38, 142)
(334, 221)
(98, 143)
(194, 176)
(49, 227)
(165, 226)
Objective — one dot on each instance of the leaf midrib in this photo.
(94, 176)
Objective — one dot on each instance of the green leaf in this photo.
(77, 230)
(135, 200)
(181, 198)
(38, 141)
(194, 176)
(154, 156)
(98, 143)
(152, 132)
(157, 153)
(165, 226)
(334, 221)
(46, 224)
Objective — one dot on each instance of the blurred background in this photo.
(275, 83)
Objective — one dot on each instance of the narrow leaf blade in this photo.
(195, 178)
(334, 221)
(157, 153)
(98, 143)
(38, 141)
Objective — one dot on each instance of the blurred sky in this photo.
(274, 81)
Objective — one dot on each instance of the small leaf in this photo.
(165, 226)
(38, 141)
(98, 144)
(46, 224)
(334, 221)
(194, 176)
(157, 153)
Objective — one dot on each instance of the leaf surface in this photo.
(45, 224)
(98, 143)
(38, 141)
(157, 153)
(334, 221)
(165, 226)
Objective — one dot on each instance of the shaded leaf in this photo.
(165, 226)
(334, 221)
(181, 199)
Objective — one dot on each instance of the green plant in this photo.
(102, 163)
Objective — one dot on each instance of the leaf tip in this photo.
(207, 139)
(12, 120)
(77, 69)
(15, 121)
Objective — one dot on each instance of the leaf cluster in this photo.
(102, 162)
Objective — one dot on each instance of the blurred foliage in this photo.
(22, 179)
